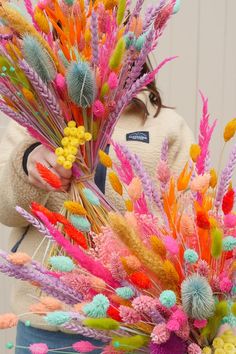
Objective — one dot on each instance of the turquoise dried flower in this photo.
(126, 292)
(140, 42)
(69, 2)
(80, 223)
(190, 256)
(229, 243)
(197, 297)
(98, 307)
(168, 298)
(92, 198)
(129, 39)
(62, 263)
(38, 58)
(57, 318)
(81, 84)
(63, 59)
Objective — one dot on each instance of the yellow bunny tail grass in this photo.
(216, 242)
(221, 310)
(41, 20)
(128, 344)
(230, 130)
(149, 259)
(213, 179)
(117, 55)
(75, 207)
(105, 159)
(105, 324)
(129, 205)
(233, 309)
(120, 11)
(115, 182)
(13, 51)
(158, 246)
(195, 151)
(19, 24)
(110, 4)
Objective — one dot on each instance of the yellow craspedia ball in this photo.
(218, 342)
(67, 165)
(61, 160)
(71, 124)
(129, 205)
(72, 150)
(230, 130)
(88, 136)
(59, 151)
(195, 152)
(206, 350)
(229, 347)
(67, 131)
(74, 142)
(65, 141)
(105, 159)
(219, 351)
(71, 158)
(213, 179)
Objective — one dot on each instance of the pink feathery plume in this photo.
(152, 75)
(125, 169)
(204, 136)
(29, 8)
(92, 266)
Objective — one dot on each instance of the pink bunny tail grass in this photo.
(92, 266)
(125, 170)
(205, 135)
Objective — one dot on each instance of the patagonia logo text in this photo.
(143, 137)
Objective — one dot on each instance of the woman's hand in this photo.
(47, 158)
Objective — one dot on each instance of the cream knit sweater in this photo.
(15, 189)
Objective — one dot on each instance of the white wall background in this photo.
(203, 37)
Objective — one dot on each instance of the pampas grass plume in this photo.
(117, 55)
(38, 58)
(216, 242)
(81, 84)
(158, 246)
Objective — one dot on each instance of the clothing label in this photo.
(143, 137)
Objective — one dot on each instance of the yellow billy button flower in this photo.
(67, 165)
(218, 343)
(213, 179)
(105, 159)
(61, 160)
(195, 152)
(59, 151)
(206, 350)
(71, 124)
(87, 136)
(230, 130)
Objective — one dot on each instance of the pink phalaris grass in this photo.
(83, 347)
(129, 315)
(19, 258)
(183, 332)
(78, 282)
(144, 304)
(38, 348)
(225, 285)
(203, 268)
(200, 323)
(160, 334)
(230, 220)
(8, 320)
(163, 172)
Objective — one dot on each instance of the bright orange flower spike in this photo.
(48, 176)
(184, 178)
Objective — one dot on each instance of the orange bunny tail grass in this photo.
(76, 235)
(48, 176)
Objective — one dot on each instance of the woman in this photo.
(142, 127)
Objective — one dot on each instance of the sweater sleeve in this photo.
(179, 145)
(14, 186)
